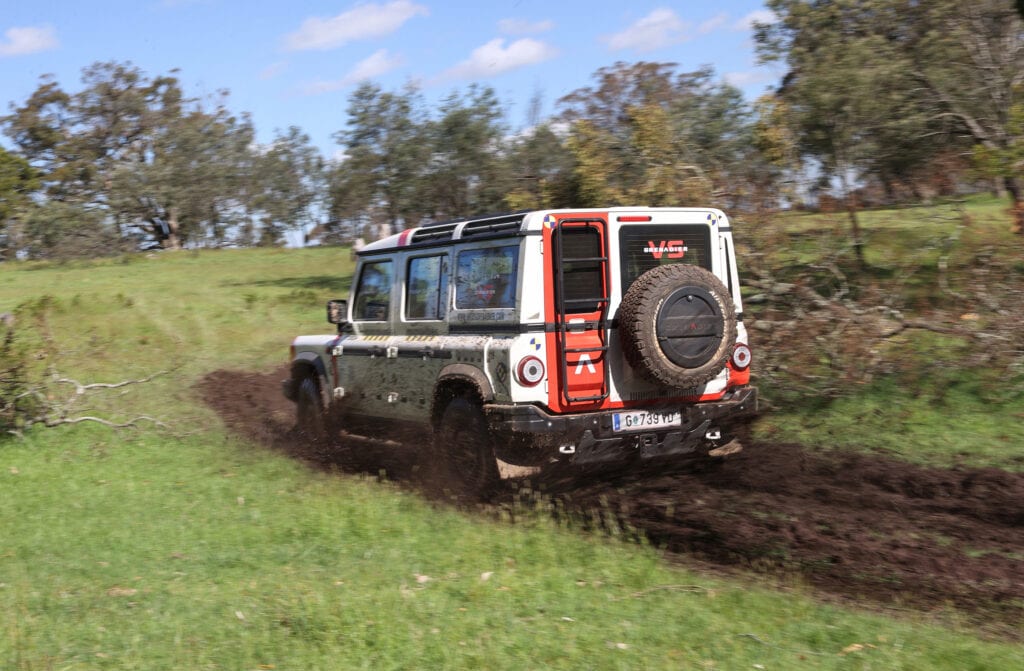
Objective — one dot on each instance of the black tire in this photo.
(677, 325)
(310, 422)
(464, 443)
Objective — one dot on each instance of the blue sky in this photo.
(296, 63)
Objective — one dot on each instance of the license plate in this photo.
(639, 420)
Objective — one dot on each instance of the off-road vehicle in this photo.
(577, 335)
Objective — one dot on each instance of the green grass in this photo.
(142, 552)
(960, 427)
(901, 239)
(190, 549)
(934, 408)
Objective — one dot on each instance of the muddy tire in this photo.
(464, 444)
(310, 421)
(677, 325)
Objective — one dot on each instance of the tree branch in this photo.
(82, 388)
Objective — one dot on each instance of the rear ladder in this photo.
(563, 327)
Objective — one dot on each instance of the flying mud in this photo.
(862, 528)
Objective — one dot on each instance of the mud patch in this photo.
(864, 528)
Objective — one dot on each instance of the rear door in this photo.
(577, 288)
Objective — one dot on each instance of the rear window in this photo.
(487, 278)
(646, 247)
(582, 275)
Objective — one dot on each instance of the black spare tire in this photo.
(677, 325)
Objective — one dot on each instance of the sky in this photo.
(296, 63)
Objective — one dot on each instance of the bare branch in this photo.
(82, 388)
(122, 425)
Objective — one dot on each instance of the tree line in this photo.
(883, 101)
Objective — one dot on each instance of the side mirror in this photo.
(337, 312)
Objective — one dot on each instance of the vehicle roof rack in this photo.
(438, 231)
(500, 224)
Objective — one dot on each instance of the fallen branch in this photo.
(105, 422)
(49, 411)
(82, 388)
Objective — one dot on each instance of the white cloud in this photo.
(524, 27)
(713, 24)
(359, 23)
(660, 28)
(28, 40)
(495, 58)
(377, 64)
(760, 16)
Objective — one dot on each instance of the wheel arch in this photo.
(308, 364)
(459, 380)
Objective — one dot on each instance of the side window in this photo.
(487, 278)
(427, 288)
(373, 295)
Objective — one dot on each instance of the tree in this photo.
(779, 164)
(129, 156)
(540, 170)
(289, 179)
(978, 78)
(913, 71)
(647, 133)
(847, 90)
(466, 173)
(378, 180)
(193, 183)
(18, 180)
(1007, 162)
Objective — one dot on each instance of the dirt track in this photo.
(864, 528)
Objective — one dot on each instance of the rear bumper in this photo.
(590, 437)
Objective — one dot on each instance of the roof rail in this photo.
(439, 231)
(433, 232)
(502, 224)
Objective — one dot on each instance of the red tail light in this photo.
(530, 371)
(741, 357)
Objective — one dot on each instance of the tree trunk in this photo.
(1013, 187)
(851, 210)
(172, 241)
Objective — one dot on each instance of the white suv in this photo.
(581, 335)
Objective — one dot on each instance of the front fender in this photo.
(303, 365)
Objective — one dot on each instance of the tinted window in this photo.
(486, 278)
(373, 295)
(427, 288)
(582, 277)
(646, 247)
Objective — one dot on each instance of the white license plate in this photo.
(640, 420)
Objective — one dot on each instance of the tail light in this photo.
(530, 371)
(741, 357)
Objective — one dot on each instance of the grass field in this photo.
(187, 548)
(935, 410)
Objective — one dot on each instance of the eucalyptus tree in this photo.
(467, 170)
(289, 187)
(18, 182)
(133, 159)
(646, 132)
(882, 85)
(377, 181)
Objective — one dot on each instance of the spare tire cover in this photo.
(677, 325)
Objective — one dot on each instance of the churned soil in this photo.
(866, 528)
